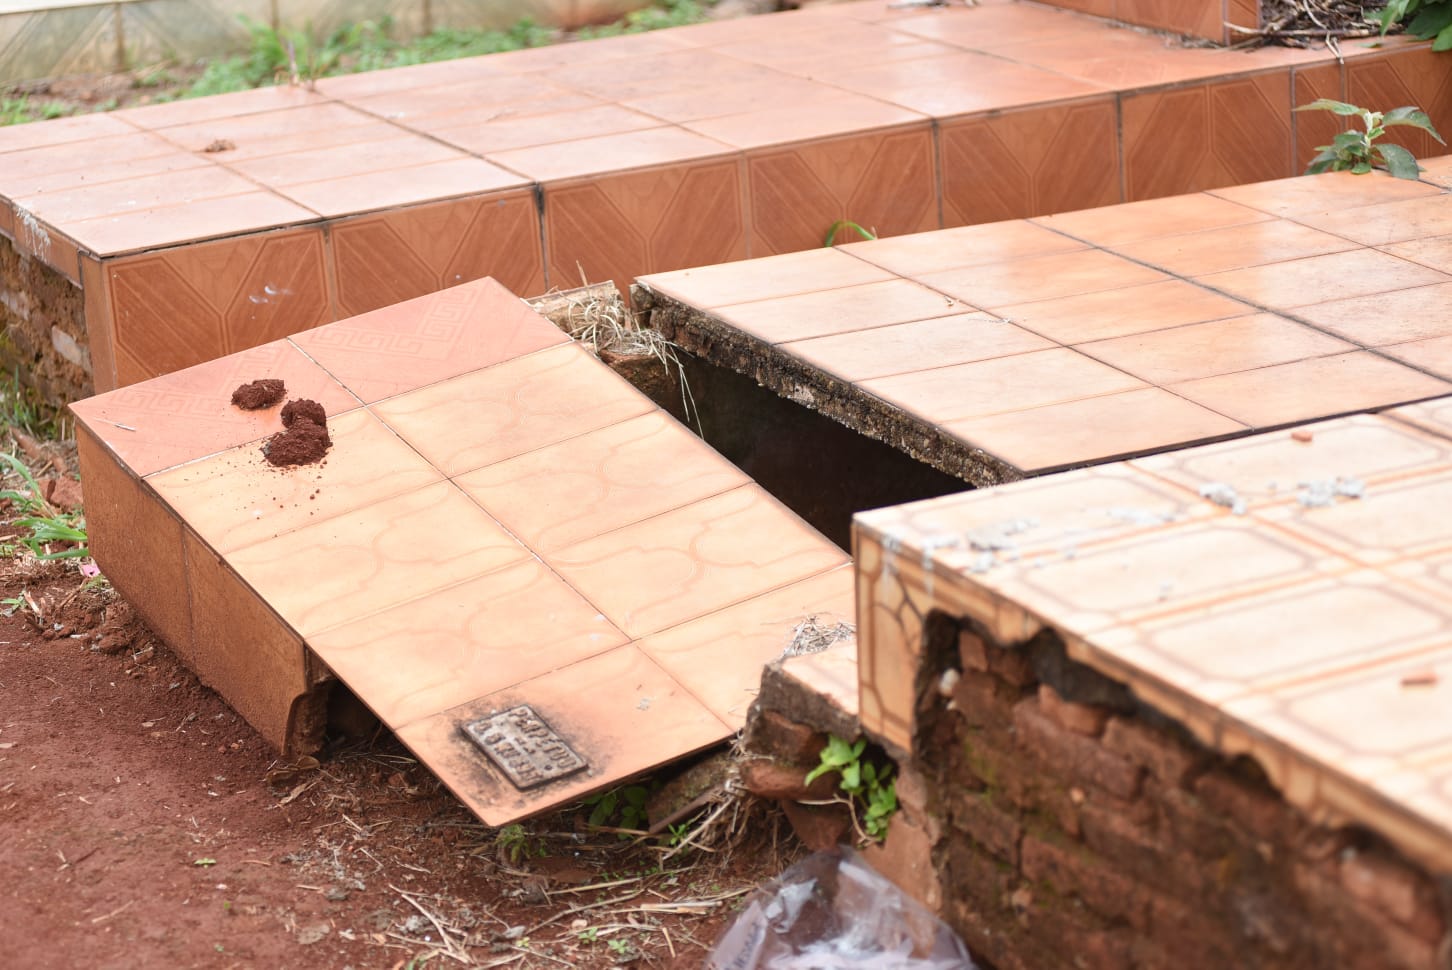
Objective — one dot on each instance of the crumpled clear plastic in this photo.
(832, 911)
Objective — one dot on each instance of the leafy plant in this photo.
(667, 13)
(870, 789)
(620, 808)
(1425, 19)
(1357, 151)
(47, 526)
(515, 844)
(849, 225)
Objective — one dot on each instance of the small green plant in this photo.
(620, 947)
(848, 225)
(47, 526)
(1357, 151)
(870, 789)
(590, 934)
(1424, 18)
(622, 808)
(515, 844)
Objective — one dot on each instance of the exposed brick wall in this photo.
(44, 329)
(1081, 830)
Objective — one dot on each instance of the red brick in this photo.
(1136, 849)
(1168, 759)
(983, 700)
(984, 882)
(1083, 758)
(1073, 869)
(1362, 938)
(1257, 810)
(1187, 823)
(905, 858)
(772, 733)
(820, 827)
(1085, 719)
(994, 828)
(1394, 889)
(766, 778)
(972, 652)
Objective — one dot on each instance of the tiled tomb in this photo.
(251, 215)
(501, 520)
(1012, 349)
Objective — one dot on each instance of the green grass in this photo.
(20, 108)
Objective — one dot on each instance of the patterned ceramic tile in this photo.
(612, 709)
(694, 560)
(890, 614)
(1381, 527)
(428, 339)
(934, 252)
(1434, 416)
(840, 310)
(602, 480)
(767, 278)
(718, 657)
(884, 181)
(1235, 247)
(1042, 278)
(1134, 222)
(1316, 279)
(100, 340)
(1030, 162)
(1312, 129)
(882, 351)
(1406, 76)
(513, 408)
(1198, 19)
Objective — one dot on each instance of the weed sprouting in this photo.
(1357, 151)
(48, 527)
(870, 790)
(848, 225)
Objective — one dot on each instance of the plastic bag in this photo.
(832, 911)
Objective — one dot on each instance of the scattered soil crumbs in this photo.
(305, 410)
(259, 394)
(304, 442)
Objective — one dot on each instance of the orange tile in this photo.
(933, 252)
(1385, 318)
(1388, 222)
(495, 91)
(1115, 313)
(1198, 19)
(183, 306)
(1316, 279)
(198, 110)
(189, 414)
(35, 239)
(62, 178)
(695, 560)
(1133, 222)
(429, 339)
(841, 310)
(1219, 347)
(69, 165)
(64, 207)
(619, 227)
(1030, 162)
(1437, 171)
(370, 559)
(600, 481)
(512, 131)
(767, 278)
(1433, 355)
(1331, 192)
(1234, 247)
(100, 336)
(624, 80)
(511, 408)
(692, 103)
(235, 499)
(391, 149)
(890, 607)
(997, 386)
(842, 113)
(883, 181)
(1126, 60)
(885, 46)
(1434, 252)
(1311, 389)
(606, 154)
(1388, 524)
(1173, 142)
(1124, 424)
(612, 709)
(883, 351)
(1312, 129)
(961, 84)
(387, 257)
(719, 656)
(458, 114)
(402, 186)
(1042, 278)
(1410, 75)
(170, 225)
(467, 641)
(994, 26)
(350, 87)
(274, 132)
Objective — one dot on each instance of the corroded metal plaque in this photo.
(524, 747)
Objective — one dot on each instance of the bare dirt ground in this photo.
(143, 824)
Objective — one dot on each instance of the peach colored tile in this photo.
(64, 178)
(695, 103)
(456, 115)
(429, 339)
(48, 167)
(996, 386)
(1030, 162)
(148, 192)
(1387, 222)
(1434, 252)
(612, 709)
(392, 149)
(1385, 318)
(402, 186)
(588, 157)
(199, 110)
(56, 249)
(64, 131)
(695, 560)
(314, 126)
(365, 561)
(718, 657)
(512, 131)
(100, 333)
(189, 414)
(837, 311)
(1041, 278)
(1330, 192)
(1197, 19)
(1126, 60)
(235, 499)
(1310, 389)
(1115, 313)
(511, 408)
(1433, 355)
(1218, 347)
(1316, 279)
(1132, 222)
(890, 607)
(352, 88)
(966, 83)
(467, 641)
(172, 224)
(831, 675)
(933, 252)
(1234, 247)
(600, 481)
(994, 26)
(1125, 424)
(1313, 129)
(883, 351)
(709, 287)
(1389, 523)
(822, 41)
(1437, 171)
(842, 113)
(1434, 416)
(623, 81)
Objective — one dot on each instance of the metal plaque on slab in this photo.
(524, 747)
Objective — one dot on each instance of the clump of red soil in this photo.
(305, 439)
(257, 395)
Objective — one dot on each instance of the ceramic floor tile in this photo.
(50, 167)
(1235, 247)
(581, 157)
(172, 224)
(473, 115)
(709, 287)
(997, 386)
(189, 413)
(993, 26)
(236, 498)
(352, 87)
(842, 113)
(454, 645)
(719, 656)
(1152, 219)
(612, 709)
(277, 132)
(494, 93)
(901, 348)
(934, 252)
(1116, 313)
(1385, 318)
(1433, 355)
(391, 150)
(694, 103)
(1387, 222)
(515, 407)
(627, 80)
(430, 339)
(694, 560)
(1042, 278)
(1129, 59)
(64, 131)
(370, 559)
(600, 481)
(838, 311)
(63, 178)
(1316, 279)
(962, 84)
(1389, 523)
(1412, 75)
(513, 131)
(1331, 192)
(1310, 389)
(402, 186)
(1219, 347)
(1125, 424)
(1434, 416)
(191, 111)
(148, 192)
(1434, 252)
